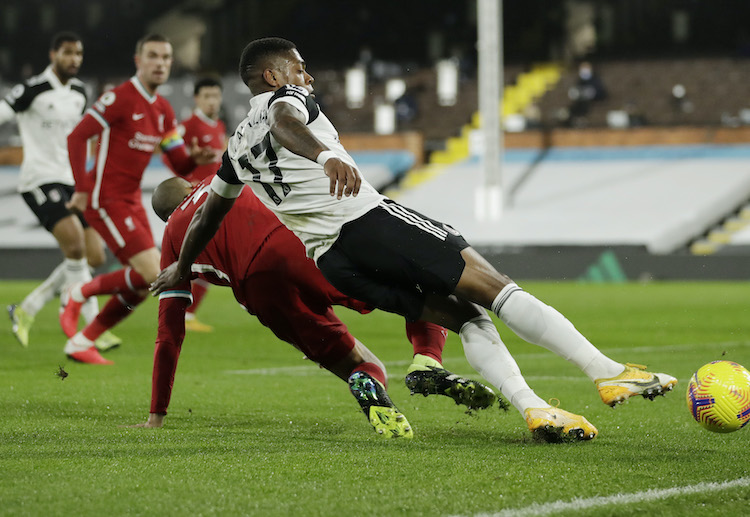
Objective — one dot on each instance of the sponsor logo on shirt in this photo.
(138, 116)
(146, 143)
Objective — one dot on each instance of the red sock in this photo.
(199, 288)
(122, 280)
(373, 370)
(427, 338)
(114, 311)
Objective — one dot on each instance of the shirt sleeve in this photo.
(169, 340)
(20, 97)
(226, 183)
(77, 150)
(299, 98)
(107, 109)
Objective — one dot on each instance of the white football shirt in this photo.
(292, 187)
(47, 111)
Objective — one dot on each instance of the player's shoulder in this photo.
(191, 121)
(23, 94)
(291, 92)
(78, 85)
(163, 105)
(38, 80)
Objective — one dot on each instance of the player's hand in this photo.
(203, 155)
(168, 277)
(154, 420)
(344, 179)
(78, 202)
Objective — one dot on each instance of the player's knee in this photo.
(73, 249)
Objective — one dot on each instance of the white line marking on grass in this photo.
(308, 369)
(540, 509)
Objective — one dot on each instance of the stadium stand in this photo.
(569, 186)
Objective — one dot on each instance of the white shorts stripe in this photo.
(414, 220)
(112, 228)
(422, 223)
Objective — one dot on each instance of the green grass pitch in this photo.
(255, 430)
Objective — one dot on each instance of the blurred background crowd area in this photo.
(394, 66)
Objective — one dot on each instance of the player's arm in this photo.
(182, 159)
(88, 127)
(289, 128)
(204, 225)
(19, 99)
(169, 338)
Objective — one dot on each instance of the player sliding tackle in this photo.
(273, 279)
(375, 250)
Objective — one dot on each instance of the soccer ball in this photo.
(718, 396)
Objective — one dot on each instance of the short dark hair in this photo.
(168, 195)
(206, 82)
(259, 50)
(148, 38)
(63, 37)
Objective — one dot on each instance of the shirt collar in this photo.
(205, 118)
(53, 79)
(142, 89)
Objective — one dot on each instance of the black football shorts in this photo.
(48, 203)
(392, 257)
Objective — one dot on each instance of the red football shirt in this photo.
(131, 124)
(210, 133)
(214, 264)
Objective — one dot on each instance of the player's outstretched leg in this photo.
(556, 425)
(428, 377)
(21, 322)
(384, 417)
(635, 380)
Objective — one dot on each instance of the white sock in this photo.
(488, 355)
(45, 291)
(78, 343)
(90, 309)
(77, 272)
(542, 325)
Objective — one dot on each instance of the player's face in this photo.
(153, 63)
(292, 70)
(208, 100)
(66, 60)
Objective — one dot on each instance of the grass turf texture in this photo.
(253, 429)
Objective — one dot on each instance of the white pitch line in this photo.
(541, 509)
(309, 369)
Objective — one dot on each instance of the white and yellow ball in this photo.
(718, 396)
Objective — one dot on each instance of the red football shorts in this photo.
(289, 295)
(124, 227)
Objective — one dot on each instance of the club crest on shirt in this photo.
(107, 99)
